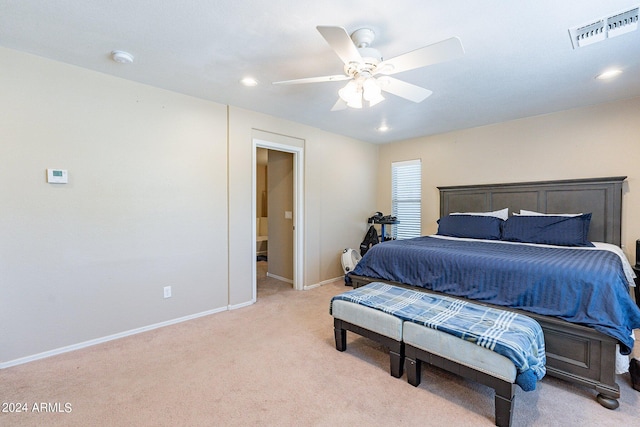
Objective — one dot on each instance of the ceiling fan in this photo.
(369, 75)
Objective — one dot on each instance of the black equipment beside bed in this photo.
(575, 353)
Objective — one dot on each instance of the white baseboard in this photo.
(306, 287)
(73, 347)
(241, 305)
(96, 341)
(324, 282)
(282, 279)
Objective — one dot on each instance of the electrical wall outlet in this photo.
(167, 291)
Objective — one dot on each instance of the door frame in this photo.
(298, 202)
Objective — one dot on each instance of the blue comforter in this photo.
(586, 287)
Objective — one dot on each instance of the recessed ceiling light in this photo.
(383, 128)
(249, 81)
(122, 57)
(609, 74)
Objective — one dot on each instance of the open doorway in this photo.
(277, 207)
(274, 221)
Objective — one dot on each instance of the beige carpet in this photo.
(272, 364)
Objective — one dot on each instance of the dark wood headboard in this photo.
(600, 196)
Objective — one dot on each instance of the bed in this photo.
(580, 295)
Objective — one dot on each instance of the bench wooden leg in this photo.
(414, 371)
(396, 356)
(340, 335)
(505, 396)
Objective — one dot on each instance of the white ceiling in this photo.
(519, 59)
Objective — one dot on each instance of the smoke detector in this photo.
(122, 57)
(604, 28)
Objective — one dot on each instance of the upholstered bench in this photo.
(463, 358)
(371, 323)
(495, 347)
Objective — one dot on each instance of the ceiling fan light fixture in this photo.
(349, 92)
(355, 102)
(354, 92)
(372, 92)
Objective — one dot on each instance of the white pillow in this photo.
(533, 213)
(502, 213)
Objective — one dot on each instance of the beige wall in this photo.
(143, 209)
(159, 194)
(597, 141)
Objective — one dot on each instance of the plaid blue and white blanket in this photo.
(515, 336)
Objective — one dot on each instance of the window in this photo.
(406, 194)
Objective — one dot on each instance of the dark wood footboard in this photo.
(575, 353)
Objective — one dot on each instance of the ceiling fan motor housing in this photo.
(363, 37)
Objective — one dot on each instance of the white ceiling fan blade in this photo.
(340, 104)
(336, 78)
(403, 89)
(438, 52)
(339, 40)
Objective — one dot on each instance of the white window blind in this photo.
(406, 198)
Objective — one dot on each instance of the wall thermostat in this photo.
(57, 176)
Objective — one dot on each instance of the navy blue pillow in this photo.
(470, 226)
(549, 230)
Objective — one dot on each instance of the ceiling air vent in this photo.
(603, 28)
